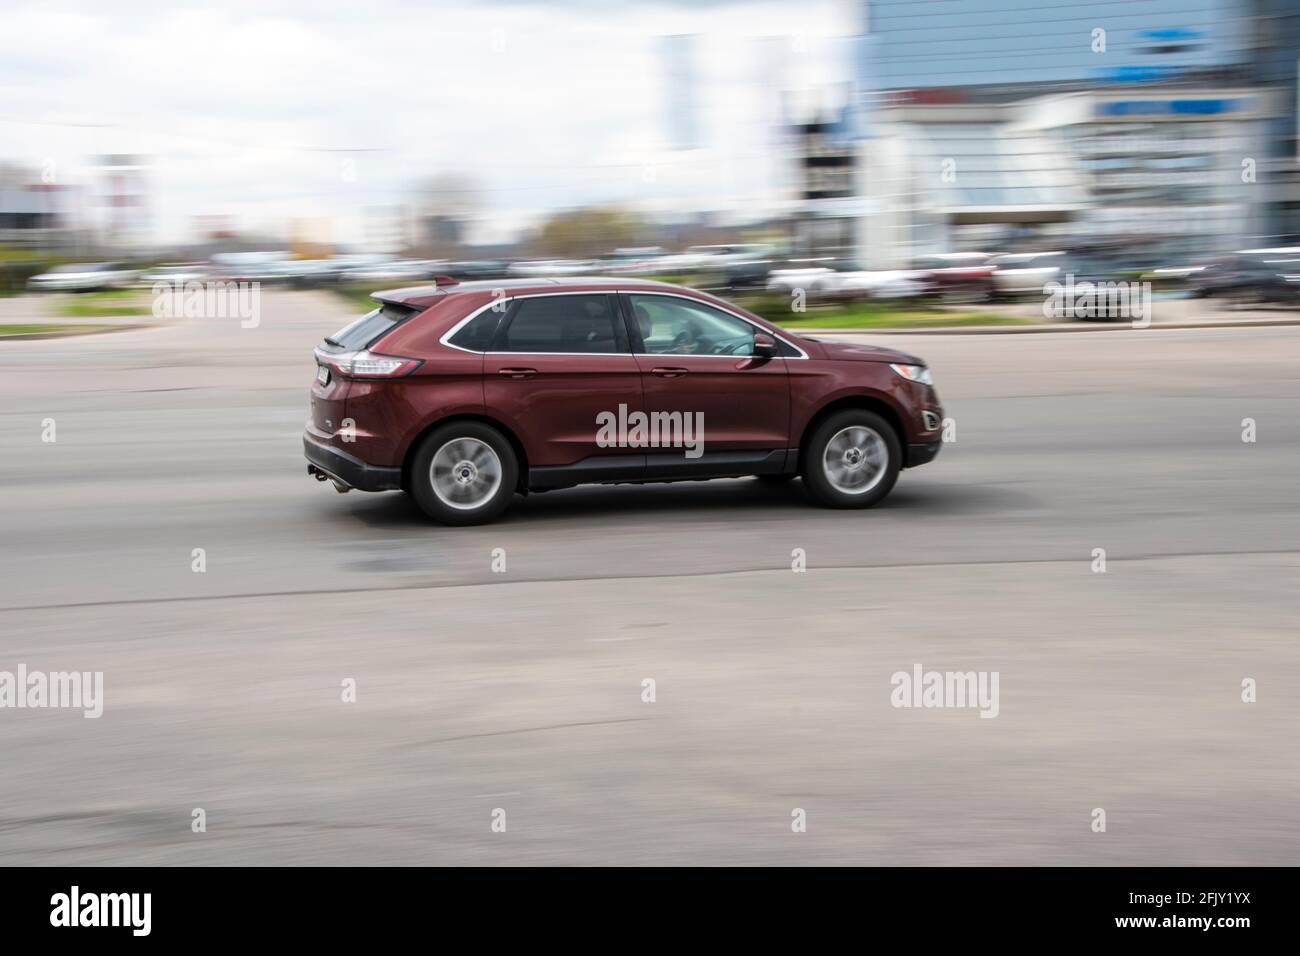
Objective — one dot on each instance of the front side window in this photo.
(673, 326)
(563, 323)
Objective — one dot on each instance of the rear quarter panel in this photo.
(390, 415)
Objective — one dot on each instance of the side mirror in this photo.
(764, 345)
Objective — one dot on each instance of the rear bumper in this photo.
(919, 453)
(347, 469)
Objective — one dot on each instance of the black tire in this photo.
(816, 478)
(469, 512)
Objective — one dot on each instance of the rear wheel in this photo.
(464, 473)
(852, 459)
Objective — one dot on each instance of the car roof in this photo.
(424, 296)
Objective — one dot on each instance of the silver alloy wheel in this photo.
(465, 473)
(855, 460)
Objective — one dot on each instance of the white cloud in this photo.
(245, 107)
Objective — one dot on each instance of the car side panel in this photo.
(816, 385)
(553, 410)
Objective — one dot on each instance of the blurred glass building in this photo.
(1160, 131)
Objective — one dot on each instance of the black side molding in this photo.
(597, 468)
(715, 464)
(664, 466)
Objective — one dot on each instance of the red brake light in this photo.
(366, 364)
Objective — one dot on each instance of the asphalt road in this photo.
(523, 690)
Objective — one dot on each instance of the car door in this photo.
(560, 366)
(697, 360)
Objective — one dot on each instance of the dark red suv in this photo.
(465, 394)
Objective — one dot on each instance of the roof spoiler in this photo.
(419, 297)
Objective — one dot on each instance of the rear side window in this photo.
(564, 323)
(367, 329)
(477, 334)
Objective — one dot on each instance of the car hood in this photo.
(854, 352)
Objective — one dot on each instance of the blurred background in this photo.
(968, 150)
(913, 173)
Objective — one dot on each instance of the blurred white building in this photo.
(1142, 127)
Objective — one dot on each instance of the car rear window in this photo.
(367, 329)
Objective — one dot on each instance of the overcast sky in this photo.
(267, 111)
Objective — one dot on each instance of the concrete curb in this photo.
(60, 334)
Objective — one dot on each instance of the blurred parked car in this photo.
(881, 284)
(312, 273)
(959, 276)
(476, 269)
(178, 274)
(732, 251)
(644, 260)
(847, 279)
(747, 273)
(1253, 276)
(84, 277)
(395, 270)
(267, 267)
(713, 259)
(551, 268)
(1250, 276)
(814, 279)
(1025, 273)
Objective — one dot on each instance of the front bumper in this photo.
(347, 469)
(919, 453)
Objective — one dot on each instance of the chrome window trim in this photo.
(676, 295)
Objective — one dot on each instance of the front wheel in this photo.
(852, 459)
(464, 473)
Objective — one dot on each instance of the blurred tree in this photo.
(589, 231)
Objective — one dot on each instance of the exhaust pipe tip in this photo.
(321, 475)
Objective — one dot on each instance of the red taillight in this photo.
(366, 364)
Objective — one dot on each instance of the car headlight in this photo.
(914, 373)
